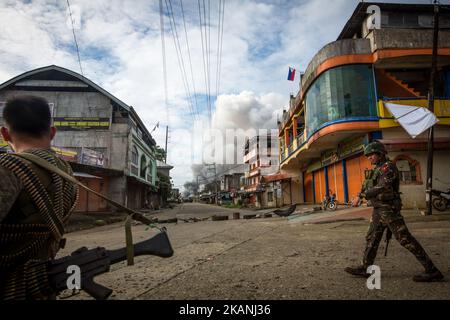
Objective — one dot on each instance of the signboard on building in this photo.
(329, 157)
(91, 157)
(66, 154)
(79, 123)
(352, 146)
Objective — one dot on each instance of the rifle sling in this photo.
(48, 166)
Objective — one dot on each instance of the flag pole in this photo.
(429, 184)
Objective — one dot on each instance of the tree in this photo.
(165, 185)
(160, 154)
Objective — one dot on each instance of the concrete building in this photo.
(340, 106)
(229, 186)
(261, 156)
(109, 147)
(164, 184)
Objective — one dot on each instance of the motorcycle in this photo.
(441, 200)
(329, 202)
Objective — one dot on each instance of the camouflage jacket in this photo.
(382, 184)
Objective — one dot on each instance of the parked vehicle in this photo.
(329, 202)
(440, 199)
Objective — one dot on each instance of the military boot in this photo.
(429, 276)
(359, 271)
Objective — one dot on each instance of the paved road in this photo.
(272, 258)
(199, 210)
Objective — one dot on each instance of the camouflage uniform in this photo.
(381, 189)
(31, 223)
(384, 196)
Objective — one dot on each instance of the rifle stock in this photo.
(93, 262)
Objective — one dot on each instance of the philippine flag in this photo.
(291, 74)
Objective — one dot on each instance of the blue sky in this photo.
(120, 48)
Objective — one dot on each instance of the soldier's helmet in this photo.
(374, 147)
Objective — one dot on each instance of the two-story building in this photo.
(107, 144)
(340, 106)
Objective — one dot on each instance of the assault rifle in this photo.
(93, 262)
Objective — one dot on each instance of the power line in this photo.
(209, 56)
(189, 55)
(221, 43)
(203, 49)
(75, 38)
(180, 56)
(163, 46)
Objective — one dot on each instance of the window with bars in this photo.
(143, 167)
(409, 170)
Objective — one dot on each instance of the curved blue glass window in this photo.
(340, 93)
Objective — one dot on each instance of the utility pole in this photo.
(215, 183)
(198, 187)
(165, 156)
(431, 108)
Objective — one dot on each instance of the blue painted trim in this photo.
(327, 186)
(303, 182)
(314, 187)
(447, 83)
(344, 173)
(356, 119)
(376, 135)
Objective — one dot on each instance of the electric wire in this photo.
(190, 59)
(203, 47)
(163, 47)
(180, 56)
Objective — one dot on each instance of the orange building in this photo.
(340, 105)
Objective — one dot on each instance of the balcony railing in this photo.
(301, 138)
(291, 148)
(283, 155)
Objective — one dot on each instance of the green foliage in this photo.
(165, 186)
(160, 153)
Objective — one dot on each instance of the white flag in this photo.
(413, 119)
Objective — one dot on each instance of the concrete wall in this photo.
(406, 39)
(120, 147)
(117, 188)
(334, 49)
(70, 104)
(414, 194)
(112, 142)
(297, 190)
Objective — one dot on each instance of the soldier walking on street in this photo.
(34, 203)
(381, 190)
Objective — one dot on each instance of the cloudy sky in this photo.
(120, 49)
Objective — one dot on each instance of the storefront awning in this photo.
(85, 175)
(276, 177)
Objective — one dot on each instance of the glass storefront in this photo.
(340, 93)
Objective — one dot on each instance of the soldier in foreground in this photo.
(34, 203)
(381, 189)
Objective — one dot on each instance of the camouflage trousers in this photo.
(383, 218)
